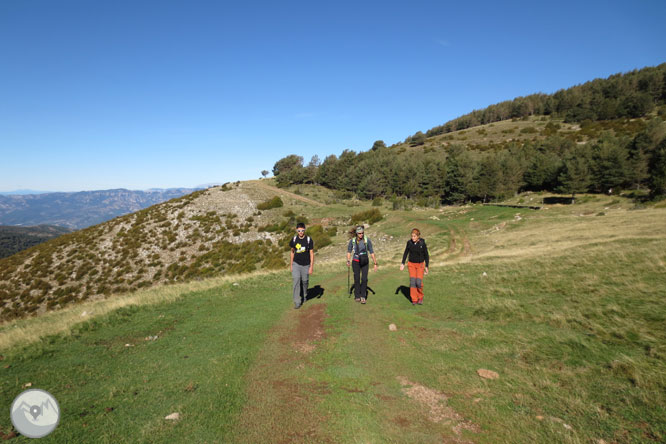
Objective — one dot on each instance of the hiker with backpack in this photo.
(301, 263)
(418, 264)
(361, 248)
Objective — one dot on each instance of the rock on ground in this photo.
(487, 374)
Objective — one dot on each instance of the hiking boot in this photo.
(296, 307)
(357, 299)
(420, 302)
(362, 300)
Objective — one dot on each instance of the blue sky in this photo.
(144, 94)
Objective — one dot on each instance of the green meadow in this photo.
(565, 306)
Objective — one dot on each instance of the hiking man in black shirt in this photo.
(301, 263)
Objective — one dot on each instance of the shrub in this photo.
(528, 130)
(274, 262)
(551, 128)
(402, 203)
(275, 202)
(370, 216)
(319, 236)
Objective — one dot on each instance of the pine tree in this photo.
(658, 171)
(326, 172)
(459, 179)
(609, 164)
(637, 169)
(379, 144)
(542, 172)
(418, 139)
(511, 173)
(487, 179)
(576, 174)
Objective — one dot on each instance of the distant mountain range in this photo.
(11, 193)
(80, 209)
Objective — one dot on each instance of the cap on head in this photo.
(359, 229)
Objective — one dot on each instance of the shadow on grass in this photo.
(405, 292)
(315, 292)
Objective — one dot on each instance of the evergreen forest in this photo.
(604, 136)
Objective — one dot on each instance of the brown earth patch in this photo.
(352, 390)
(467, 247)
(309, 330)
(452, 244)
(438, 410)
(311, 323)
(402, 421)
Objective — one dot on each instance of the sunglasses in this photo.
(301, 231)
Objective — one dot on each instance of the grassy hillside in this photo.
(500, 135)
(565, 304)
(203, 234)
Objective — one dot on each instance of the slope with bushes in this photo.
(210, 232)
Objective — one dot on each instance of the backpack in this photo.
(307, 242)
(363, 259)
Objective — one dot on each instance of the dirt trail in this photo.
(281, 405)
(290, 194)
(285, 395)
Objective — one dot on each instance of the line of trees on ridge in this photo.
(557, 164)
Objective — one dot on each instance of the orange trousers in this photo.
(416, 280)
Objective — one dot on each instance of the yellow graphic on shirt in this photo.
(299, 248)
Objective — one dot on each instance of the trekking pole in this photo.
(348, 282)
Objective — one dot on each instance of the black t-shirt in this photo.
(301, 248)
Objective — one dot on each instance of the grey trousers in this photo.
(299, 274)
